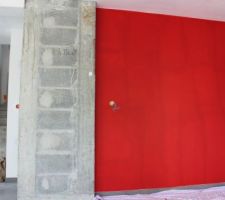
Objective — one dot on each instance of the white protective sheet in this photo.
(215, 193)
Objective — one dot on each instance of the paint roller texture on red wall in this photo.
(167, 75)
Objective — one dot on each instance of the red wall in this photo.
(167, 75)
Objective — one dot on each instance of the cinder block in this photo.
(57, 98)
(58, 56)
(54, 164)
(58, 3)
(66, 17)
(58, 36)
(54, 141)
(52, 184)
(54, 120)
(57, 77)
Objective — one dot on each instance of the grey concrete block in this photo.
(54, 141)
(57, 77)
(58, 3)
(52, 184)
(54, 164)
(54, 120)
(58, 36)
(57, 98)
(58, 56)
(54, 17)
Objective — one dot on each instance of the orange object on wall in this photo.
(167, 74)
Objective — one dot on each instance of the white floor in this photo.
(215, 193)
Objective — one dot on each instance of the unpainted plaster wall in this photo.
(56, 142)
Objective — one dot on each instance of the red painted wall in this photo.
(167, 75)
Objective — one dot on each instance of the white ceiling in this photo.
(203, 9)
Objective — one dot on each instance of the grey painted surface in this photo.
(56, 142)
(8, 191)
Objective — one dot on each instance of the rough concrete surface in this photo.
(56, 143)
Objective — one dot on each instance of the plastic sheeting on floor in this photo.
(216, 193)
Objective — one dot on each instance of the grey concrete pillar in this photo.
(56, 142)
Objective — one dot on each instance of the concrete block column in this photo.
(56, 141)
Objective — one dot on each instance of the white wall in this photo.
(11, 32)
(13, 100)
(205, 9)
(11, 3)
(11, 17)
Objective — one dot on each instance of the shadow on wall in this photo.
(4, 71)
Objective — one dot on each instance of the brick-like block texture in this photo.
(52, 184)
(58, 36)
(53, 141)
(67, 56)
(54, 164)
(58, 3)
(56, 17)
(57, 98)
(57, 77)
(54, 129)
